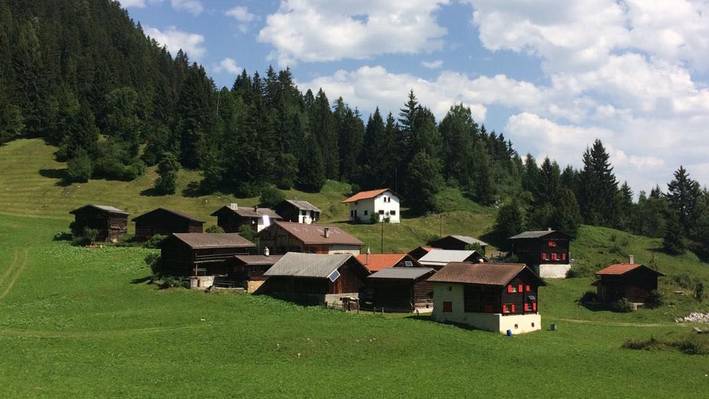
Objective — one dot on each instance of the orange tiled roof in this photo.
(376, 262)
(362, 195)
(618, 269)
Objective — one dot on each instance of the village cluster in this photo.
(297, 259)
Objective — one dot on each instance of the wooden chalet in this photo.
(399, 289)
(545, 251)
(298, 211)
(248, 270)
(489, 296)
(231, 217)
(282, 237)
(438, 258)
(109, 222)
(164, 222)
(418, 252)
(631, 280)
(457, 242)
(202, 253)
(315, 279)
(377, 262)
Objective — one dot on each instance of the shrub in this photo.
(573, 273)
(246, 232)
(154, 241)
(690, 347)
(155, 263)
(86, 237)
(654, 300)
(588, 297)
(271, 196)
(683, 280)
(63, 236)
(214, 229)
(476, 247)
(699, 291)
(171, 282)
(647, 344)
(622, 305)
(79, 169)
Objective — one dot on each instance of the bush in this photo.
(699, 291)
(86, 237)
(654, 300)
(683, 280)
(690, 347)
(271, 196)
(165, 282)
(155, 263)
(476, 247)
(214, 229)
(647, 344)
(573, 273)
(154, 241)
(79, 168)
(246, 232)
(622, 305)
(588, 297)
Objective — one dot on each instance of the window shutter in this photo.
(534, 306)
(520, 288)
(510, 289)
(513, 308)
(528, 288)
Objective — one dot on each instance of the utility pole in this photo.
(381, 251)
(440, 233)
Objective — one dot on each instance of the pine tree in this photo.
(598, 187)
(457, 131)
(566, 216)
(311, 176)
(509, 221)
(683, 194)
(424, 174)
(79, 168)
(673, 241)
(166, 182)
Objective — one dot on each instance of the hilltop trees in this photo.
(598, 187)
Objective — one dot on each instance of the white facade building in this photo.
(380, 205)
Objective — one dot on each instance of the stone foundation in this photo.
(552, 271)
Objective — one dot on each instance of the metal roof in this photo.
(213, 240)
(465, 239)
(164, 210)
(438, 257)
(296, 264)
(105, 208)
(248, 211)
(258, 260)
(480, 273)
(303, 205)
(622, 268)
(534, 234)
(402, 273)
(314, 234)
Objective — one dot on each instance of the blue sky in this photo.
(552, 76)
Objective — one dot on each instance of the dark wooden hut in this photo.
(231, 217)
(298, 211)
(109, 222)
(419, 252)
(541, 247)
(458, 242)
(400, 289)
(632, 281)
(248, 270)
(202, 253)
(164, 222)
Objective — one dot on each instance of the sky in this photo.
(551, 75)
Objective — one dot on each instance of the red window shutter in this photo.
(554, 256)
(534, 306)
(545, 256)
(520, 288)
(528, 288)
(447, 307)
(526, 307)
(563, 256)
(513, 308)
(510, 289)
(505, 308)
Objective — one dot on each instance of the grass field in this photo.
(75, 323)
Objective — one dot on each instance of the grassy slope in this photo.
(74, 317)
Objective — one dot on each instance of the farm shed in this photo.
(488, 296)
(249, 269)
(437, 258)
(377, 262)
(381, 205)
(164, 222)
(400, 289)
(109, 222)
(545, 251)
(298, 211)
(282, 237)
(202, 253)
(630, 280)
(315, 279)
(231, 217)
(418, 252)
(457, 242)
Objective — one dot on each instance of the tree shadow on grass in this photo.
(59, 174)
(193, 190)
(427, 318)
(150, 192)
(142, 280)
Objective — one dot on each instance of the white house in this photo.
(374, 205)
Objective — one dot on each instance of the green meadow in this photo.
(81, 322)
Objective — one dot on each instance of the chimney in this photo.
(266, 251)
(631, 259)
(256, 209)
(234, 206)
(548, 228)
(326, 232)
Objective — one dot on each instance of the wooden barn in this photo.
(315, 279)
(458, 242)
(202, 253)
(438, 258)
(231, 217)
(419, 252)
(298, 211)
(488, 296)
(545, 251)
(248, 270)
(400, 289)
(165, 222)
(109, 222)
(630, 280)
(282, 237)
(377, 262)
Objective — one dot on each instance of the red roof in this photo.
(376, 262)
(362, 195)
(620, 269)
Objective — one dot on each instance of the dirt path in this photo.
(14, 271)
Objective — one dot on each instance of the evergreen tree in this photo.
(509, 221)
(683, 195)
(626, 208)
(598, 187)
(673, 240)
(167, 174)
(566, 216)
(79, 168)
(311, 177)
(322, 125)
(457, 131)
(424, 174)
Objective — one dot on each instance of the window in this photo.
(563, 256)
(511, 289)
(392, 213)
(551, 244)
(513, 308)
(528, 288)
(554, 256)
(527, 307)
(545, 256)
(365, 213)
(381, 212)
(447, 307)
(505, 308)
(520, 288)
(534, 306)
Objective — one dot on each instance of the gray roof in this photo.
(303, 205)
(296, 264)
(168, 211)
(481, 273)
(469, 240)
(441, 257)
(258, 260)
(533, 234)
(247, 211)
(402, 273)
(105, 208)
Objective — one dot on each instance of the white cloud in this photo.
(228, 65)
(137, 3)
(194, 7)
(324, 30)
(242, 15)
(435, 64)
(175, 39)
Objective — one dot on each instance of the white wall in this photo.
(307, 218)
(373, 205)
(344, 249)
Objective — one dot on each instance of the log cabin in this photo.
(630, 280)
(165, 222)
(110, 223)
(419, 252)
(282, 237)
(438, 258)
(458, 242)
(545, 251)
(315, 279)
(488, 296)
(248, 270)
(298, 211)
(231, 217)
(205, 254)
(399, 289)
(377, 262)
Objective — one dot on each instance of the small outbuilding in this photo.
(400, 289)
(438, 258)
(381, 205)
(631, 280)
(377, 262)
(248, 270)
(419, 252)
(282, 237)
(315, 279)
(164, 222)
(545, 251)
(298, 211)
(488, 296)
(110, 222)
(231, 217)
(458, 242)
(202, 254)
